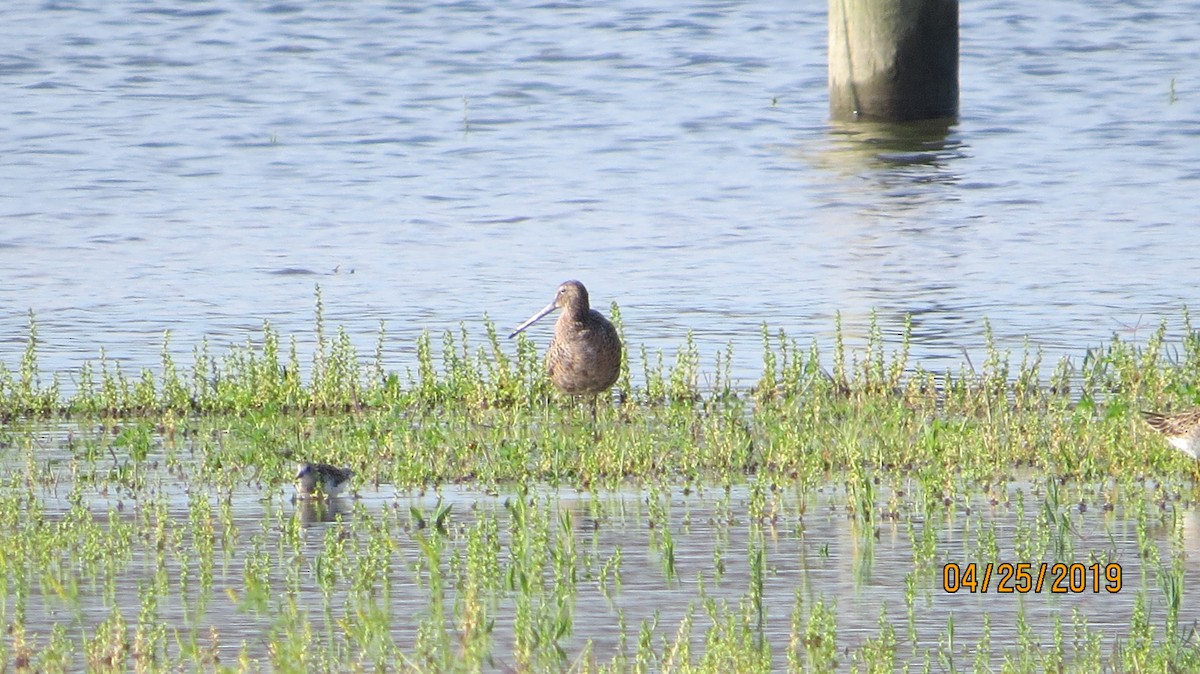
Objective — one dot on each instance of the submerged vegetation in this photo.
(693, 525)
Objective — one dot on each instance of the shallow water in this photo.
(200, 169)
(812, 549)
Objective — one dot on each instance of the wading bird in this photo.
(584, 357)
(321, 477)
(1182, 430)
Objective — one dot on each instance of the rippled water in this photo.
(201, 167)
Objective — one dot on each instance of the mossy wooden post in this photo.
(893, 60)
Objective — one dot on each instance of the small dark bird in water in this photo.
(1182, 430)
(584, 357)
(321, 477)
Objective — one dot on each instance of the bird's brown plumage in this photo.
(584, 357)
(1182, 429)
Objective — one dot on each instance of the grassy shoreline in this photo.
(748, 507)
(484, 413)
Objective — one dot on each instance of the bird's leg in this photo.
(595, 429)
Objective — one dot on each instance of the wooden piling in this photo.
(893, 60)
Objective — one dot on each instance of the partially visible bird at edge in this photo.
(1181, 429)
(321, 478)
(584, 356)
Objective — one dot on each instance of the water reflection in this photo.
(894, 252)
(318, 510)
(481, 150)
(895, 148)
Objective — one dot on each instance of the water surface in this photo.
(625, 575)
(202, 168)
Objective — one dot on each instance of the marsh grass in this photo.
(487, 414)
(521, 582)
(120, 501)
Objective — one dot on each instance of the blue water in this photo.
(201, 167)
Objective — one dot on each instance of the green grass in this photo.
(487, 414)
(150, 526)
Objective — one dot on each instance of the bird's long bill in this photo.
(533, 319)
